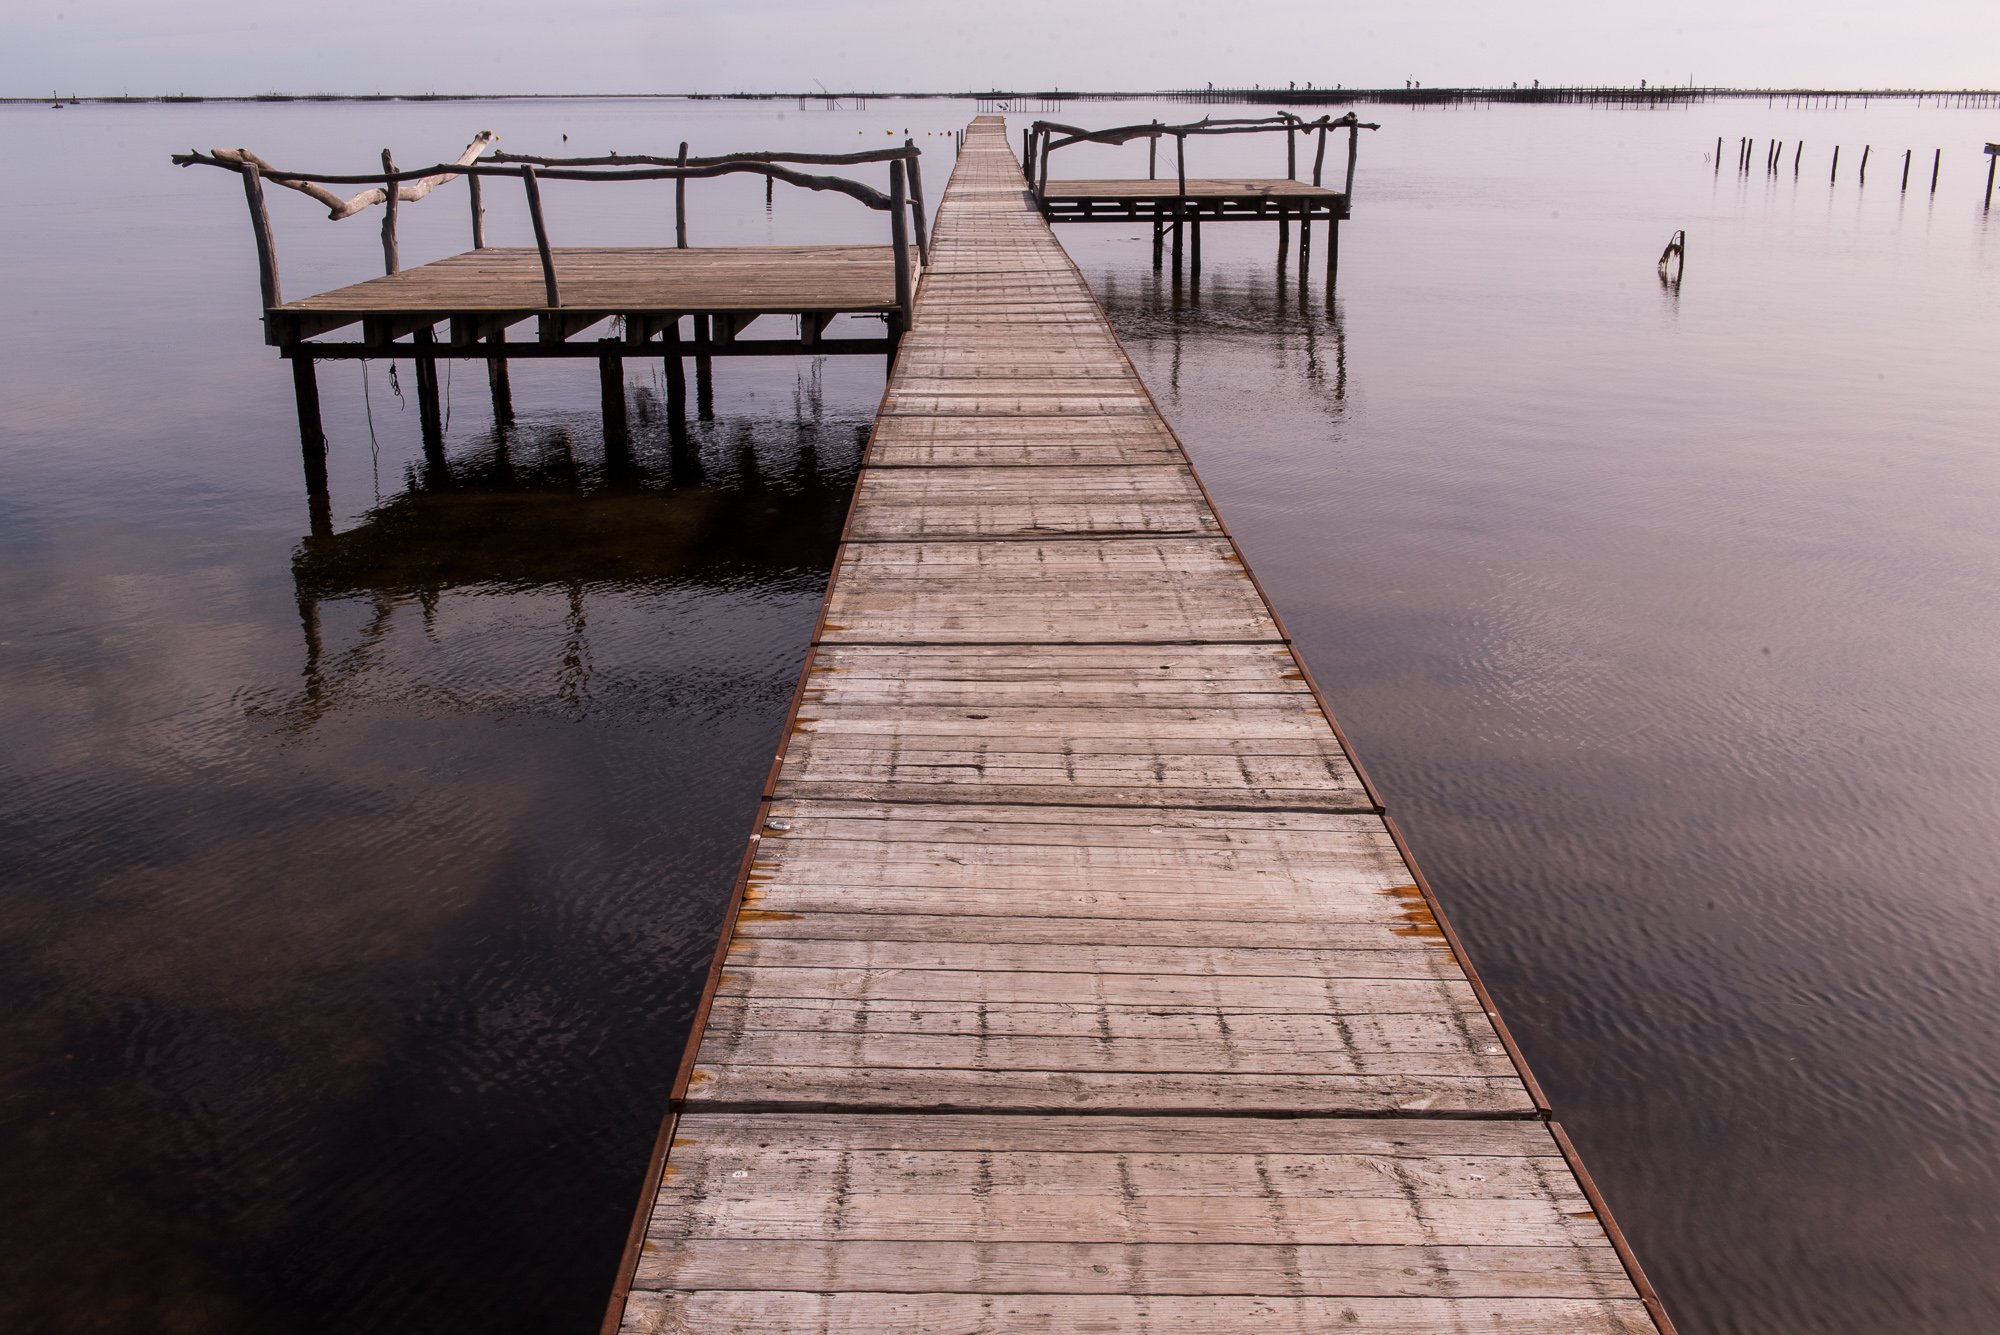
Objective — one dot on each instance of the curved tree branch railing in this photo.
(391, 187)
(1044, 137)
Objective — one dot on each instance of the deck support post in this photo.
(1284, 231)
(1194, 243)
(611, 389)
(430, 404)
(1332, 252)
(704, 373)
(1305, 242)
(502, 388)
(1159, 242)
(312, 447)
(677, 385)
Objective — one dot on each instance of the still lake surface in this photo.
(354, 901)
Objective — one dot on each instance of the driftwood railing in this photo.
(391, 187)
(1044, 137)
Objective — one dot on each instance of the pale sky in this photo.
(663, 46)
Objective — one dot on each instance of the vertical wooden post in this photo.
(1835, 174)
(392, 195)
(267, 253)
(430, 404)
(681, 200)
(611, 390)
(704, 371)
(1353, 148)
(1284, 231)
(1042, 170)
(677, 386)
(1992, 161)
(1937, 160)
(1718, 155)
(1906, 169)
(1865, 150)
(899, 242)
(1159, 240)
(1291, 152)
(1027, 155)
(496, 381)
(534, 189)
(1319, 154)
(1332, 253)
(312, 444)
(478, 211)
(1194, 243)
(1305, 241)
(1798, 155)
(917, 205)
(1153, 155)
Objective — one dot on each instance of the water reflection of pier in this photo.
(735, 504)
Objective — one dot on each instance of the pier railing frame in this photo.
(904, 203)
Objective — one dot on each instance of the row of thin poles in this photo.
(1774, 161)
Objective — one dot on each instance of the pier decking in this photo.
(1075, 979)
(481, 292)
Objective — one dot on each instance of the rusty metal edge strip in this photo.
(1514, 1053)
(635, 1237)
(677, 1093)
(1654, 1307)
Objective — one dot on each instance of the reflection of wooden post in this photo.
(312, 446)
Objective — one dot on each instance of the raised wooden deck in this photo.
(1075, 980)
(483, 292)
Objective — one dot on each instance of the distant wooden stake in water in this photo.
(1675, 254)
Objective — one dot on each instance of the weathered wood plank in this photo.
(738, 1312)
(919, 1266)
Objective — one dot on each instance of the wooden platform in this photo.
(1114, 201)
(485, 291)
(1075, 980)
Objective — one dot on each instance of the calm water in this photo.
(356, 894)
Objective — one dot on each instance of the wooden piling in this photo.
(478, 210)
(681, 201)
(430, 403)
(676, 368)
(917, 213)
(390, 190)
(312, 446)
(534, 190)
(611, 392)
(1834, 175)
(1992, 161)
(1332, 255)
(1906, 168)
(899, 241)
(704, 371)
(1798, 156)
(267, 251)
(1861, 177)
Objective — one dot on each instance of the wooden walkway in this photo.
(1075, 980)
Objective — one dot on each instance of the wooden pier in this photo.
(1176, 206)
(678, 302)
(1074, 979)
